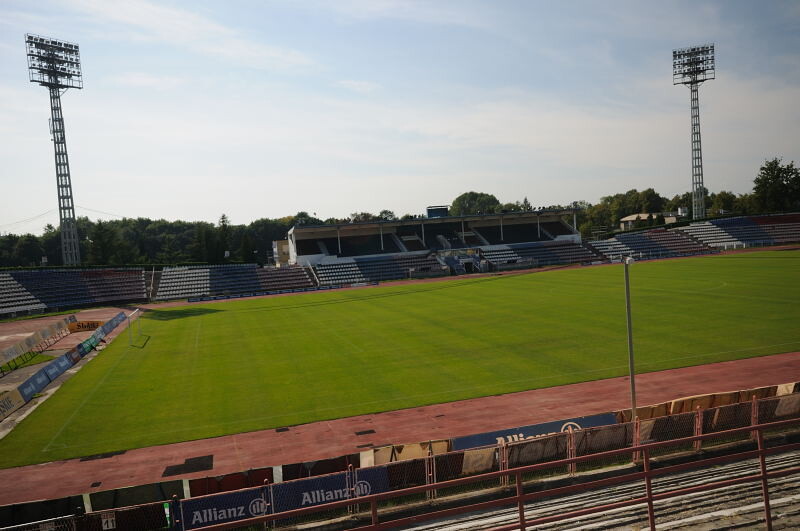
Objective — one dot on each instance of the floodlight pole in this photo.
(56, 64)
(692, 66)
(698, 190)
(70, 247)
(632, 370)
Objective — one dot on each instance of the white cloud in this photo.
(440, 12)
(147, 20)
(362, 87)
(145, 80)
(257, 145)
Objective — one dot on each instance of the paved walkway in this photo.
(333, 438)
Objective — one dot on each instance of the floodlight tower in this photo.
(56, 64)
(691, 66)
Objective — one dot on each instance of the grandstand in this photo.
(654, 243)
(540, 254)
(387, 250)
(702, 237)
(320, 257)
(375, 268)
(746, 231)
(14, 298)
(36, 290)
(202, 281)
(324, 256)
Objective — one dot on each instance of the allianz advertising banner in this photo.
(222, 508)
(372, 480)
(312, 491)
(529, 432)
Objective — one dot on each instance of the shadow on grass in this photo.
(434, 286)
(180, 313)
(143, 339)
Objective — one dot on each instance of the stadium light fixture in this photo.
(627, 262)
(56, 64)
(692, 66)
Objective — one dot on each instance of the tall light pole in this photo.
(56, 64)
(629, 261)
(691, 66)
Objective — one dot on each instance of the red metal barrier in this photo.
(519, 498)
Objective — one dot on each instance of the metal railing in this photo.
(640, 454)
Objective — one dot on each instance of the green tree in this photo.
(7, 243)
(85, 228)
(358, 217)
(246, 249)
(169, 253)
(51, 245)
(126, 252)
(680, 201)
(223, 239)
(203, 245)
(650, 201)
(471, 203)
(511, 207)
(745, 204)
(303, 218)
(28, 251)
(102, 242)
(722, 202)
(387, 215)
(777, 186)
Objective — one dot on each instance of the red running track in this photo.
(310, 442)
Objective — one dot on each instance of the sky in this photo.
(258, 108)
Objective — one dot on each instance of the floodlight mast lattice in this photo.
(56, 64)
(692, 66)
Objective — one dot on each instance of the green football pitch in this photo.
(213, 369)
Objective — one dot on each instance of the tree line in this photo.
(143, 241)
(776, 188)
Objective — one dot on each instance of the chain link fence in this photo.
(725, 418)
(466, 463)
(64, 523)
(540, 450)
(150, 516)
(596, 440)
(405, 474)
(668, 428)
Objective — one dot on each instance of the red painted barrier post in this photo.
(698, 428)
(648, 487)
(764, 484)
(520, 501)
(571, 451)
(503, 459)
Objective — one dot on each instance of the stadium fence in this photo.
(501, 474)
(381, 513)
